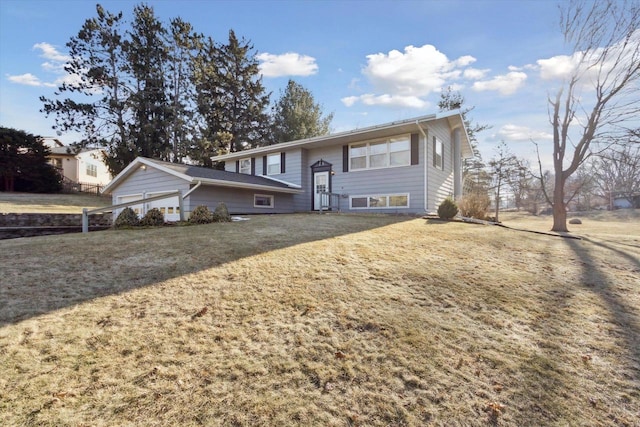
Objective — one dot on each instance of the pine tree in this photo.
(147, 54)
(230, 96)
(98, 90)
(297, 116)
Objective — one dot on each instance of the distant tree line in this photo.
(164, 91)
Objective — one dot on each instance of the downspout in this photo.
(457, 169)
(192, 190)
(187, 194)
(426, 171)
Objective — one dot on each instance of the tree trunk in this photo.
(559, 209)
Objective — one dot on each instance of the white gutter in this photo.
(192, 190)
(280, 181)
(426, 171)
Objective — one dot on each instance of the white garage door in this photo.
(130, 198)
(170, 207)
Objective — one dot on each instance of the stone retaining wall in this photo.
(29, 224)
(52, 220)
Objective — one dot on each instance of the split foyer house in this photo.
(406, 166)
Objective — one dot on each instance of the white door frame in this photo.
(316, 187)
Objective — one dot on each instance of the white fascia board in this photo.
(281, 181)
(283, 146)
(133, 166)
(244, 185)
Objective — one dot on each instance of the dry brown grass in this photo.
(333, 320)
(50, 203)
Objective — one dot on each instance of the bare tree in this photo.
(600, 96)
(617, 174)
(502, 168)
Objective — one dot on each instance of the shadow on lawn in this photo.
(47, 273)
(594, 280)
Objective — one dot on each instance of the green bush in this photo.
(221, 214)
(474, 205)
(201, 215)
(447, 209)
(127, 218)
(153, 218)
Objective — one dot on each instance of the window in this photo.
(380, 154)
(438, 153)
(273, 164)
(92, 170)
(245, 166)
(262, 201)
(387, 201)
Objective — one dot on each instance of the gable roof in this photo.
(453, 118)
(206, 176)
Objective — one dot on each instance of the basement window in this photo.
(382, 201)
(262, 201)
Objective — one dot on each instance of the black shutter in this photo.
(282, 156)
(414, 149)
(237, 166)
(253, 166)
(345, 158)
(434, 151)
(264, 165)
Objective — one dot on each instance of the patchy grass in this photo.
(50, 203)
(332, 320)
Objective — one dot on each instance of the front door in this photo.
(320, 184)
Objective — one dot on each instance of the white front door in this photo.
(320, 184)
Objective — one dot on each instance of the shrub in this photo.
(201, 215)
(447, 209)
(126, 218)
(474, 205)
(153, 218)
(221, 214)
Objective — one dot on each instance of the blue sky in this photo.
(368, 62)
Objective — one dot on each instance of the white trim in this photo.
(367, 196)
(240, 165)
(279, 156)
(336, 137)
(387, 141)
(281, 181)
(269, 196)
(142, 161)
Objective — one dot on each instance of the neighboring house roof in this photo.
(68, 151)
(380, 131)
(207, 176)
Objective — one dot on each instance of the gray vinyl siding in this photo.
(293, 166)
(371, 182)
(238, 201)
(440, 182)
(146, 181)
(302, 202)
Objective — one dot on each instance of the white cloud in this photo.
(418, 71)
(28, 79)
(386, 100)
(511, 132)
(287, 64)
(506, 84)
(50, 52)
(474, 73)
(349, 101)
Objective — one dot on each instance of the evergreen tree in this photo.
(98, 90)
(24, 165)
(183, 43)
(231, 98)
(297, 116)
(147, 54)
